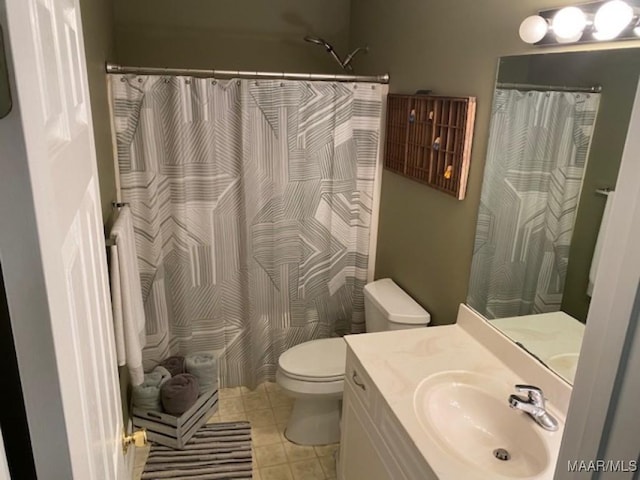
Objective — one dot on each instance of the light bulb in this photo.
(533, 29)
(598, 35)
(568, 24)
(611, 19)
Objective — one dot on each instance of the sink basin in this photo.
(467, 414)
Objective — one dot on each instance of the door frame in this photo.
(602, 383)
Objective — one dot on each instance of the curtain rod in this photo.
(548, 88)
(113, 68)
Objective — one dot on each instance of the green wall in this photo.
(426, 237)
(230, 34)
(97, 26)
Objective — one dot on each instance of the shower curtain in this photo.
(538, 147)
(252, 204)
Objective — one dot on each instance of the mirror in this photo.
(558, 128)
(5, 92)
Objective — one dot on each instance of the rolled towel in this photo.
(163, 374)
(146, 396)
(179, 393)
(203, 366)
(174, 364)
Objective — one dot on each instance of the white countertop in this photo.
(554, 337)
(397, 362)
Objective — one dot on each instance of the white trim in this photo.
(622, 435)
(377, 189)
(609, 317)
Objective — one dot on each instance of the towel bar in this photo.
(604, 191)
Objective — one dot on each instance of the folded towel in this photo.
(146, 396)
(127, 303)
(174, 364)
(203, 366)
(593, 272)
(179, 393)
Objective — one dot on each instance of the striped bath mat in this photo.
(217, 451)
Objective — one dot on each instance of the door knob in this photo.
(137, 438)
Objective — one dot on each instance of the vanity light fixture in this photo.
(590, 22)
(611, 19)
(568, 24)
(533, 29)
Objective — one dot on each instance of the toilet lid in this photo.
(316, 360)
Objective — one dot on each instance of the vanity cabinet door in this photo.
(360, 450)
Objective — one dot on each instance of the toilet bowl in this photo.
(313, 372)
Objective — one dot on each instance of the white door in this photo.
(52, 247)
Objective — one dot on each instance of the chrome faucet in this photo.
(534, 406)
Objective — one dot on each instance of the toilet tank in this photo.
(388, 307)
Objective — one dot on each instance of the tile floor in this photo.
(274, 457)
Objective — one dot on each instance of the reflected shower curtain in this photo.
(252, 203)
(538, 147)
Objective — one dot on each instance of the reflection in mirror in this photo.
(558, 127)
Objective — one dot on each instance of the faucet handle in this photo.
(536, 397)
(516, 400)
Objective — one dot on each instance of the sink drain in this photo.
(502, 454)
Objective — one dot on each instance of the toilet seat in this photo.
(315, 361)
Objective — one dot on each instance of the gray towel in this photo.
(203, 366)
(146, 396)
(180, 393)
(174, 364)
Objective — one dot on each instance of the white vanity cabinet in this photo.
(360, 451)
(431, 404)
(373, 445)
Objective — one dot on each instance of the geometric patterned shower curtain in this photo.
(252, 204)
(538, 147)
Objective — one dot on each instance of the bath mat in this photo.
(217, 451)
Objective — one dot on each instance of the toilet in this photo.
(313, 372)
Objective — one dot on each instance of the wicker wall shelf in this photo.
(429, 139)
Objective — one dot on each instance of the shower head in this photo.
(346, 64)
(318, 41)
